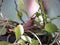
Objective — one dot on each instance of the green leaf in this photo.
(38, 14)
(26, 38)
(51, 28)
(18, 31)
(34, 42)
(3, 43)
(3, 30)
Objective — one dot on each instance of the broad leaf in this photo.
(34, 42)
(26, 38)
(51, 28)
(18, 31)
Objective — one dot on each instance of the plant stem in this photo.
(35, 36)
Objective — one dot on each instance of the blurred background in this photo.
(8, 10)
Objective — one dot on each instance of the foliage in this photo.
(18, 31)
(34, 42)
(51, 27)
(34, 37)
